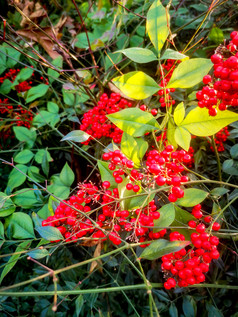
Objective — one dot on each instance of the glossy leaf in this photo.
(189, 73)
(134, 149)
(21, 226)
(139, 55)
(157, 25)
(182, 138)
(76, 136)
(49, 233)
(38, 254)
(171, 54)
(192, 197)
(179, 113)
(136, 85)
(198, 122)
(162, 247)
(106, 174)
(67, 175)
(189, 306)
(1, 231)
(167, 216)
(134, 122)
(182, 217)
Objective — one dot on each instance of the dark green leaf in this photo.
(21, 226)
(49, 233)
(67, 175)
(6, 205)
(192, 197)
(38, 254)
(189, 306)
(25, 198)
(16, 178)
(162, 247)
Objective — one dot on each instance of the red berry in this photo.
(216, 226)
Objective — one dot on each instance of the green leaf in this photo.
(36, 92)
(1, 231)
(49, 233)
(182, 217)
(213, 311)
(106, 174)
(189, 73)
(38, 254)
(6, 205)
(40, 154)
(173, 312)
(3, 60)
(58, 188)
(46, 117)
(182, 138)
(167, 216)
(230, 167)
(134, 202)
(25, 135)
(34, 173)
(136, 85)
(21, 226)
(44, 212)
(24, 74)
(79, 304)
(13, 57)
(76, 136)
(216, 35)
(162, 247)
(157, 25)
(45, 164)
(134, 149)
(139, 55)
(198, 122)
(6, 87)
(25, 198)
(171, 132)
(53, 74)
(134, 121)
(234, 151)
(192, 197)
(219, 191)
(52, 107)
(189, 306)
(179, 113)
(67, 175)
(13, 259)
(171, 54)
(16, 178)
(82, 41)
(24, 157)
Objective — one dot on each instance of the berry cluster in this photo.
(220, 138)
(110, 221)
(189, 265)
(161, 168)
(95, 122)
(221, 90)
(165, 99)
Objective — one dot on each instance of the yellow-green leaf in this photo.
(183, 138)
(189, 73)
(157, 25)
(179, 113)
(198, 122)
(136, 85)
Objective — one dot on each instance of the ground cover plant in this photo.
(118, 129)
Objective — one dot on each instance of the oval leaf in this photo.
(198, 122)
(182, 138)
(20, 226)
(136, 85)
(157, 25)
(106, 174)
(49, 233)
(162, 247)
(189, 73)
(167, 216)
(192, 197)
(139, 55)
(134, 122)
(171, 54)
(76, 136)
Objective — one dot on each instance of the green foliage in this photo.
(76, 136)
(189, 73)
(133, 148)
(161, 247)
(139, 55)
(136, 85)
(192, 197)
(134, 122)
(167, 216)
(157, 25)
(19, 226)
